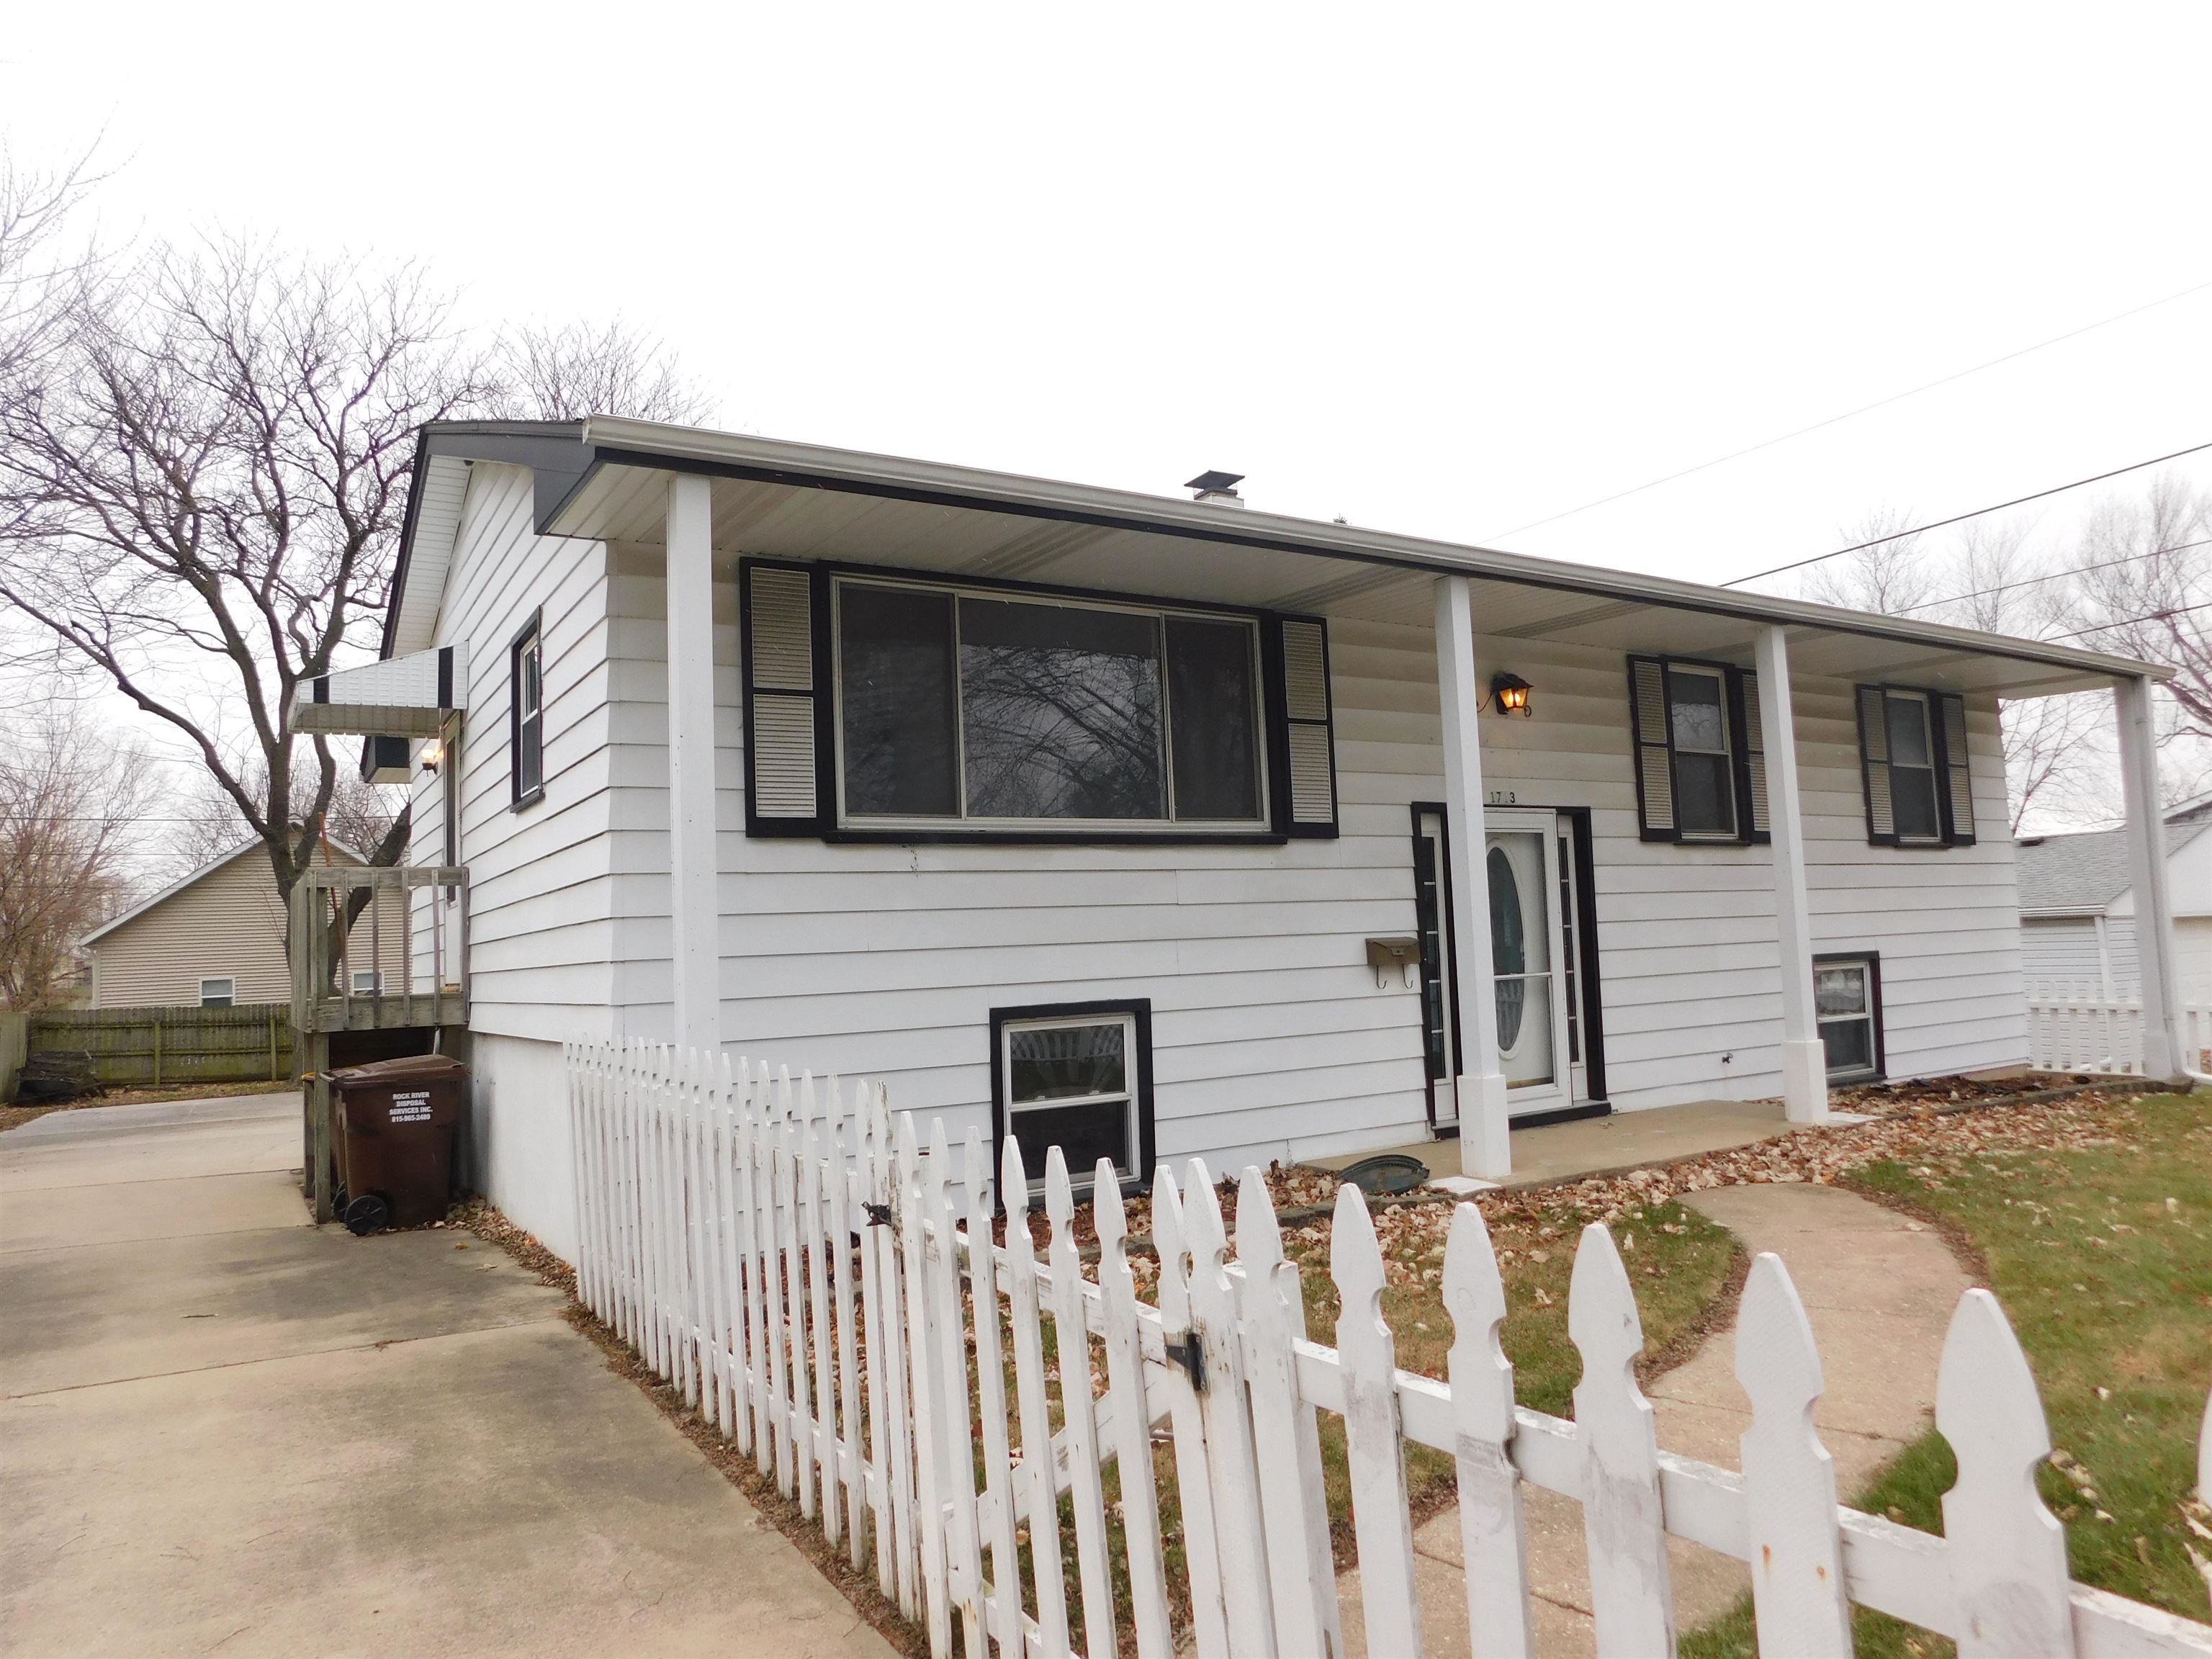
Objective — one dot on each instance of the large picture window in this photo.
(959, 707)
(1077, 1078)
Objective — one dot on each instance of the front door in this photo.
(1532, 903)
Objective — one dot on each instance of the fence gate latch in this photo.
(879, 1215)
(1189, 1352)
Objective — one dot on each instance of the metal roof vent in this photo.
(1219, 487)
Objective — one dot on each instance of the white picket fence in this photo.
(2080, 1028)
(785, 1255)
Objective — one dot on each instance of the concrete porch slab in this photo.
(1601, 1146)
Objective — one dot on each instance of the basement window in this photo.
(1847, 1004)
(1077, 1077)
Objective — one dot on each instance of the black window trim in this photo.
(1139, 1011)
(1734, 678)
(1873, 961)
(518, 798)
(1933, 698)
(1276, 829)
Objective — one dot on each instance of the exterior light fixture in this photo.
(1510, 692)
(433, 752)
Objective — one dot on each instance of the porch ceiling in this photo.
(771, 500)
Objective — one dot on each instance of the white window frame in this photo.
(375, 978)
(1870, 981)
(1937, 781)
(1128, 1098)
(963, 821)
(229, 981)
(1725, 753)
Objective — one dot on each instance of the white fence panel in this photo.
(2072, 1028)
(787, 1258)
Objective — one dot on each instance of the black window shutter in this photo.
(1751, 757)
(1302, 743)
(1958, 792)
(785, 668)
(1654, 734)
(1874, 765)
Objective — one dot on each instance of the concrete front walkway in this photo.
(1879, 1292)
(225, 1429)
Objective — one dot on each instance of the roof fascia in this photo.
(553, 450)
(613, 441)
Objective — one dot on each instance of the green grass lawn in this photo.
(2102, 1256)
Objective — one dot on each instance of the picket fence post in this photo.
(1380, 1525)
(1201, 1541)
(1133, 1438)
(1493, 1531)
(1078, 1412)
(1005, 1599)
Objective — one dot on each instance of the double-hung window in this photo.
(1913, 759)
(1077, 1079)
(1847, 1004)
(891, 706)
(1701, 763)
(218, 992)
(527, 713)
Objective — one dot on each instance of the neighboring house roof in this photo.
(2082, 874)
(193, 879)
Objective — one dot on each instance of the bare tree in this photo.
(207, 825)
(2145, 590)
(1985, 577)
(203, 476)
(68, 803)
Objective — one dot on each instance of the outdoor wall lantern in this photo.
(1510, 693)
(433, 752)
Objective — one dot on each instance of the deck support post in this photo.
(695, 905)
(1484, 1151)
(2163, 1054)
(1804, 1059)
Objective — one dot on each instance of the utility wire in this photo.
(1979, 512)
(2049, 576)
(2128, 622)
(1864, 409)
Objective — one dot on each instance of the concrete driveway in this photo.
(225, 1429)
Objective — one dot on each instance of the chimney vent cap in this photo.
(1216, 484)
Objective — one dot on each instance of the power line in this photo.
(2049, 576)
(2130, 621)
(1864, 409)
(2019, 500)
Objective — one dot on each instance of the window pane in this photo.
(1912, 798)
(1700, 724)
(1060, 712)
(1839, 990)
(895, 668)
(1211, 705)
(1053, 1062)
(1704, 794)
(1908, 732)
(1850, 1045)
(1084, 1134)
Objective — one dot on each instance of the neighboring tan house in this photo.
(217, 939)
(2077, 909)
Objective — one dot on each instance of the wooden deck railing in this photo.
(379, 948)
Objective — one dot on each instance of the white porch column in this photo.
(694, 905)
(2163, 1054)
(1804, 1061)
(1483, 1151)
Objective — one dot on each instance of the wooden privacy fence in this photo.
(2080, 1029)
(786, 1257)
(129, 1047)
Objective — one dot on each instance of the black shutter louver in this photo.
(1874, 765)
(783, 786)
(1758, 824)
(1308, 749)
(1654, 735)
(1958, 781)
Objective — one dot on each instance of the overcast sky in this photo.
(1447, 271)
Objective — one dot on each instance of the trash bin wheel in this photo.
(366, 1214)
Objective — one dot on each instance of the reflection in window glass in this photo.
(1911, 768)
(1843, 1002)
(1060, 712)
(1705, 780)
(895, 666)
(1213, 720)
(1068, 1085)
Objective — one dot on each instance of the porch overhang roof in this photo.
(604, 478)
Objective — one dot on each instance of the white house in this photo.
(1164, 826)
(2077, 909)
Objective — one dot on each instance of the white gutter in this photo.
(643, 443)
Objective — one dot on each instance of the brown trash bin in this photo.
(396, 1125)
